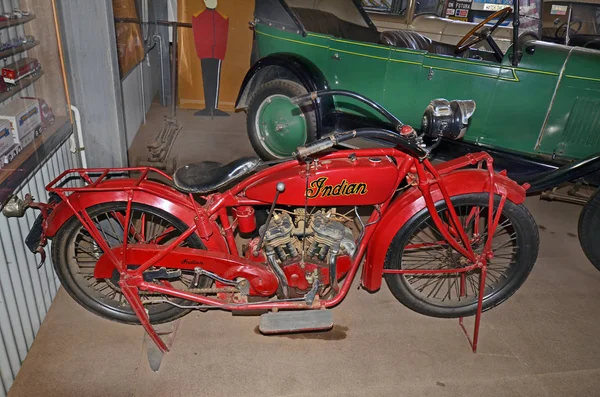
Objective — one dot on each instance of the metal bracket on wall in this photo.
(160, 147)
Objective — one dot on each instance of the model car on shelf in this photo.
(22, 68)
(18, 13)
(46, 113)
(8, 148)
(26, 120)
(16, 42)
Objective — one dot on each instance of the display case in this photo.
(35, 117)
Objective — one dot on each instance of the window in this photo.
(396, 7)
(435, 7)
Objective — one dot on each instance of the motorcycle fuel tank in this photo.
(331, 182)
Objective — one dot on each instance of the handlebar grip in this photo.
(300, 99)
(315, 147)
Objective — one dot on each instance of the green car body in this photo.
(548, 105)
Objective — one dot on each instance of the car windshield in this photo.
(585, 19)
(435, 7)
(398, 7)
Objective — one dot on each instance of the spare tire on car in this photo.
(276, 126)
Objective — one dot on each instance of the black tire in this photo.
(589, 224)
(86, 295)
(515, 219)
(256, 131)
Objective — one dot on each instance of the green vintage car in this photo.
(539, 100)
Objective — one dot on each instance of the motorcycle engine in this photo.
(325, 240)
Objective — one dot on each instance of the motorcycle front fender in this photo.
(412, 201)
(151, 193)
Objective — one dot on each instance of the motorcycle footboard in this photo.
(295, 321)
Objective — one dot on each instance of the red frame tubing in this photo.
(133, 297)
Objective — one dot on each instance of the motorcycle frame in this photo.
(424, 175)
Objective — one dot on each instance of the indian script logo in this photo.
(319, 188)
(191, 262)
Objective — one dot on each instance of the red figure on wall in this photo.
(210, 29)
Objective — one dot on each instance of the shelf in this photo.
(20, 86)
(32, 156)
(14, 51)
(15, 22)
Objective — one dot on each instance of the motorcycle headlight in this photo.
(449, 119)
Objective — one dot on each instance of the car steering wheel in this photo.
(475, 35)
(561, 31)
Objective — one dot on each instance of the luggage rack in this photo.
(101, 175)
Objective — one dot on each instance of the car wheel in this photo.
(588, 227)
(276, 126)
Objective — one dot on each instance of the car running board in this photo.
(284, 322)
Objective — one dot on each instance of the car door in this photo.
(450, 77)
(401, 85)
(360, 67)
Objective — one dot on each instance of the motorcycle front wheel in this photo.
(75, 253)
(419, 245)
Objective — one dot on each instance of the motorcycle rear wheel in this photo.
(74, 254)
(419, 245)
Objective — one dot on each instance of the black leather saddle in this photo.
(209, 176)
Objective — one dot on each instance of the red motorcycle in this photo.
(288, 238)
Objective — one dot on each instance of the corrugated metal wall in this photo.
(26, 292)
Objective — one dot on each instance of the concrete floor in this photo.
(541, 342)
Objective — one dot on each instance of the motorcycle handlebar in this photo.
(315, 147)
(375, 133)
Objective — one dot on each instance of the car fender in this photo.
(289, 66)
(150, 193)
(403, 208)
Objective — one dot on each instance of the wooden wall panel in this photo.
(237, 58)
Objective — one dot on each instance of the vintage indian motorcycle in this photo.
(450, 239)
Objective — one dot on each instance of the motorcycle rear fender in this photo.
(153, 194)
(412, 201)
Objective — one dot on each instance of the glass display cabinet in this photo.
(35, 116)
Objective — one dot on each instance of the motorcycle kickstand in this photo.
(167, 333)
(161, 338)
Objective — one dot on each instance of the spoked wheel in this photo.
(420, 245)
(75, 253)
